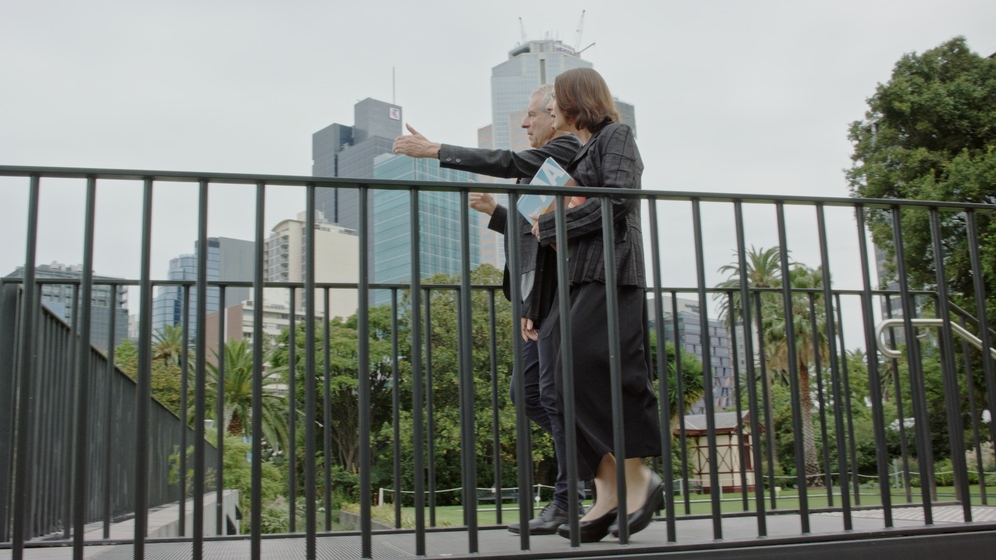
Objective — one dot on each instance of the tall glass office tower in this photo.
(529, 66)
(439, 223)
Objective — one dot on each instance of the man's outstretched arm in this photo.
(496, 163)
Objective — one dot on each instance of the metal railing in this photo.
(111, 482)
(753, 383)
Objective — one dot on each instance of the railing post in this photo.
(83, 379)
(878, 418)
(716, 488)
(143, 393)
(952, 394)
(200, 358)
(258, 340)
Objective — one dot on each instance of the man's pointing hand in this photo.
(415, 145)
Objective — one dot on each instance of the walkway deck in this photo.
(693, 535)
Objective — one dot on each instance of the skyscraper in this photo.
(439, 223)
(529, 65)
(227, 260)
(348, 151)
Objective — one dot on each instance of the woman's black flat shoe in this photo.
(591, 531)
(639, 519)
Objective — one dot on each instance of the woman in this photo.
(583, 106)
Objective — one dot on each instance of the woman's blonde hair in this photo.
(583, 97)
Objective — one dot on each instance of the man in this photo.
(538, 376)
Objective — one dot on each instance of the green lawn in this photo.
(702, 504)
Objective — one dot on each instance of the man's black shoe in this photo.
(546, 523)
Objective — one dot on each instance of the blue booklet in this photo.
(550, 174)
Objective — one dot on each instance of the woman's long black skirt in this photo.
(592, 382)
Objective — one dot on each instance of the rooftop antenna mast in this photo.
(577, 38)
(393, 87)
(522, 30)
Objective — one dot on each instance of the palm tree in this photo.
(168, 344)
(764, 271)
(238, 371)
(763, 267)
(807, 344)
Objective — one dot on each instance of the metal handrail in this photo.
(923, 322)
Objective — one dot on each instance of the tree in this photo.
(238, 371)
(930, 134)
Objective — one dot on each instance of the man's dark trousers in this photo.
(538, 363)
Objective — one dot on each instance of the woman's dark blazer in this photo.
(610, 158)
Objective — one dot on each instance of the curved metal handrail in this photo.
(926, 322)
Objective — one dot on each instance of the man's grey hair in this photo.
(547, 91)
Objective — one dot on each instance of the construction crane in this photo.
(577, 38)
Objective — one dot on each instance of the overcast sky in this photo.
(730, 97)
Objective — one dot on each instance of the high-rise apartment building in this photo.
(336, 261)
(61, 299)
(227, 260)
(439, 223)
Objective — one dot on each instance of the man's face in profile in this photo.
(538, 122)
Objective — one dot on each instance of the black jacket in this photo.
(609, 159)
(522, 166)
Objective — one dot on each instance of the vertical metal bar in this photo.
(679, 381)
(739, 405)
(522, 431)
(292, 413)
(430, 426)
(973, 414)
(917, 394)
(904, 451)
(258, 341)
(878, 418)
(327, 411)
(816, 342)
(143, 393)
(67, 414)
(310, 381)
(979, 285)
(364, 373)
(567, 372)
(664, 389)
(615, 361)
(834, 365)
(83, 386)
(184, 412)
(495, 425)
(219, 414)
(745, 320)
(952, 394)
(769, 422)
(396, 408)
(107, 405)
(467, 416)
(8, 388)
(716, 489)
(200, 371)
(852, 442)
(418, 443)
(795, 383)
